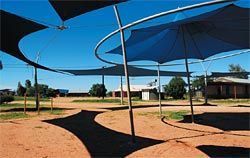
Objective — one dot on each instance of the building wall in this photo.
(145, 95)
(150, 94)
(153, 96)
(77, 94)
(228, 91)
(133, 94)
(118, 94)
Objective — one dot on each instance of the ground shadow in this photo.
(150, 106)
(224, 151)
(33, 109)
(225, 121)
(246, 106)
(204, 132)
(99, 140)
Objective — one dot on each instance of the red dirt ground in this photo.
(93, 130)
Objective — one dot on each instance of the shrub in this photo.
(6, 98)
(109, 94)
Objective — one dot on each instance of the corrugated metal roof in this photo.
(234, 80)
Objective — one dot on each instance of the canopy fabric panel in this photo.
(227, 74)
(13, 29)
(68, 9)
(118, 70)
(221, 30)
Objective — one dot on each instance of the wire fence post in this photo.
(51, 104)
(38, 99)
(25, 102)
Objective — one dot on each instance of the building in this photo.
(62, 92)
(7, 91)
(150, 93)
(226, 87)
(78, 93)
(136, 91)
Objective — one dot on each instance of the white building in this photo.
(145, 92)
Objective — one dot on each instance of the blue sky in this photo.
(73, 48)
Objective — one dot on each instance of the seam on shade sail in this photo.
(171, 50)
(151, 46)
(195, 44)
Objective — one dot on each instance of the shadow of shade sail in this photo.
(225, 121)
(99, 140)
(224, 151)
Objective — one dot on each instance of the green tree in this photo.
(98, 90)
(27, 84)
(42, 89)
(176, 88)
(198, 83)
(20, 89)
(239, 69)
(30, 91)
(50, 92)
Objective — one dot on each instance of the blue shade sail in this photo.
(13, 29)
(221, 30)
(118, 70)
(69, 9)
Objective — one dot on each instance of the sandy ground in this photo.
(103, 130)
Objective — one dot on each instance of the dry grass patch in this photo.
(169, 115)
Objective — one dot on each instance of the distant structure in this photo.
(227, 87)
(145, 92)
(62, 92)
(78, 93)
(7, 91)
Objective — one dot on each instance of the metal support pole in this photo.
(121, 92)
(36, 89)
(38, 111)
(205, 88)
(126, 74)
(205, 79)
(103, 94)
(103, 87)
(159, 88)
(188, 77)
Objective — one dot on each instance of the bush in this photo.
(6, 98)
(109, 94)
